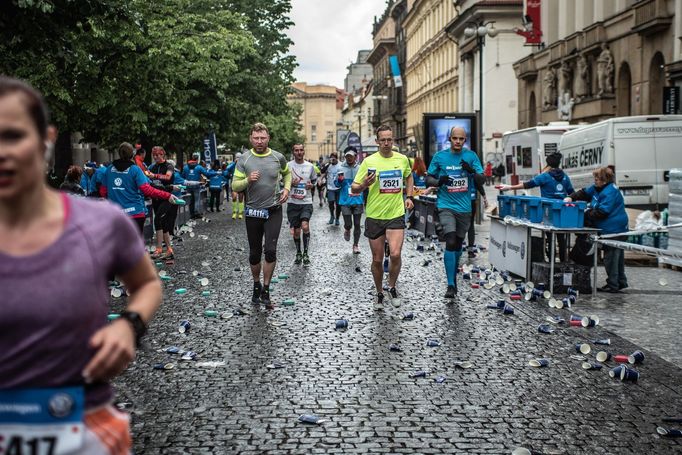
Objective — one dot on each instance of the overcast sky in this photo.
(328, 34)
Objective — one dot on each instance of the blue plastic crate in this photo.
(504, 204)
(558, 213)
(531, 209)
(516, 206)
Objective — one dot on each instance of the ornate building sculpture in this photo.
(549, 93)
(605, 69)
(582, 78)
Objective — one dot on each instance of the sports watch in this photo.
(139, 327)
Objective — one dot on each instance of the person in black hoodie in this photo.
(71, 181)
(164, 223)
(554, 184)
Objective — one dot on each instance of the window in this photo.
(313, 133)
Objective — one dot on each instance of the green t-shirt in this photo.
(385, 198)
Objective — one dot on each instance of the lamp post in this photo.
(480, 30)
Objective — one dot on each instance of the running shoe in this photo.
(337, 223)
(393, 296)
(306, 259)
(346, 235)
(379, 302)
(299, 258)
(234, 215)
(331, 220)
(356, 249)
(157, 253)
(257, 288)
(240, 216)
(265, 299)
(451, 293)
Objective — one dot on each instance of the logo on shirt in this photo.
(559, 187)
(118, 181)
(61, 405)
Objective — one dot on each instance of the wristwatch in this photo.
(411, 198)
(139, 327)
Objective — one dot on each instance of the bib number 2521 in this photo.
(391, 181)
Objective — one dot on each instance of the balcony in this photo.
(526, 69)
(651, 17)
(594, 35)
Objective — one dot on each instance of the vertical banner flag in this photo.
(395, 70)
(210, 148)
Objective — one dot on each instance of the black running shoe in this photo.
(451, 293)
(306, 259)
(299, 258)
(257, 288)
(265, 299)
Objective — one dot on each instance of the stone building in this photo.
(359, 72)
(600, 59)
(431, 68)
(321, 112)
(389, 91)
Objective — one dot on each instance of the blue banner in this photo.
(395, 70)
(210, 148)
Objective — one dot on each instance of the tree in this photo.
(285, 129)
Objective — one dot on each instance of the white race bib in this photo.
(299, 191)
(391, 181)
(41, 421)
(459, 182)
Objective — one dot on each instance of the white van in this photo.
(641, 149)
(525, 151)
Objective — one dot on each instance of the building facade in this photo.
(431, 69)
(321, 112)
(359, 73)
(497, 51)
(389, 88)
(601, 59)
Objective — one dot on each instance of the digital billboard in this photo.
(437, 132)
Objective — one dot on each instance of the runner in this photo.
(317, 172)
(162, 179)
(331, 171)
(257, 175)
(57, 351)
(215, 186)
(385, 173)
(351, 203)
(300, 206)
(450, 170)
(475, 187)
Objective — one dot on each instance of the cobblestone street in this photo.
(229, 401)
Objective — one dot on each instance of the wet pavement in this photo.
(230, 399)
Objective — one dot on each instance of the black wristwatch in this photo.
(411, 198)
(139, 327)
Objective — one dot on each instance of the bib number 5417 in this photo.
(18, 445)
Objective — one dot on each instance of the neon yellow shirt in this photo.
(385, 198)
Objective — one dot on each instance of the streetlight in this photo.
(480, 30)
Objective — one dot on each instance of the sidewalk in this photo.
(363, 389)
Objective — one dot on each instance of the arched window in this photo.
(532, 110)
(623, 94)
(656, 84)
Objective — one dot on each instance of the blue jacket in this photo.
(177, 180)
(217, 179)
(609, 201)
(193, 170)
(123, 180)
(229, 172)
(88, 183)
(554, 184)
(345, 195)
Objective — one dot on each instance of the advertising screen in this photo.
(437, 132)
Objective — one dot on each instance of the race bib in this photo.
(459, 182)
(391, 181)
(299, 191)
(256, 213)
(41, 421)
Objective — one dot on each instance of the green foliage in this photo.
(170, 70)
(284, 129)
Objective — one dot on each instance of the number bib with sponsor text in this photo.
(41, 421)
(391, 181)
(299, 191)
(459, 181)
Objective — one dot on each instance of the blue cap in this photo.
(91, 165)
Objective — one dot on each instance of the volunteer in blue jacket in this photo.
(193, 171)
(352, 204)
(215, 186)
(606, 211)
(554, 184)
(126, 185)
(88, 179)
(450, 171)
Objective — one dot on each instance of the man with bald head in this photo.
(450, 170)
